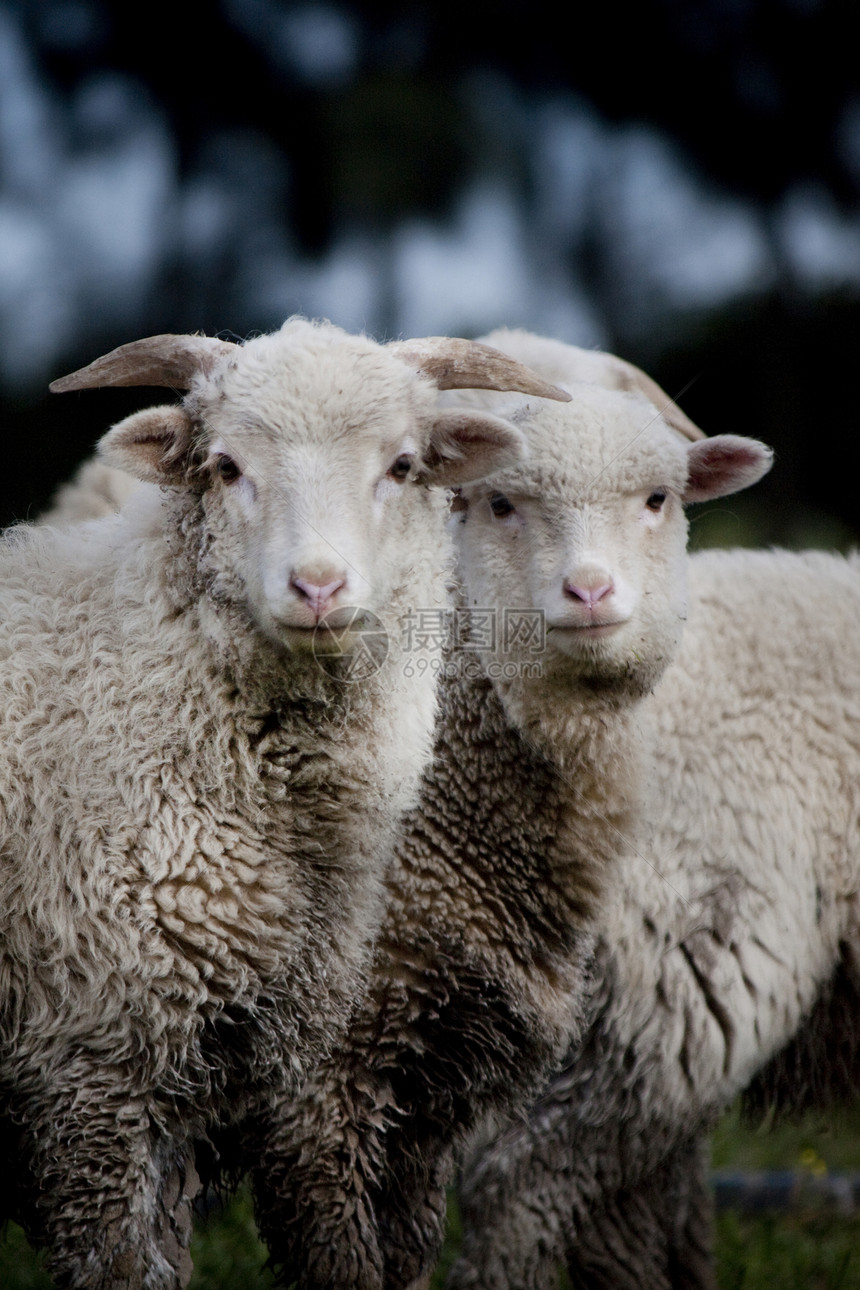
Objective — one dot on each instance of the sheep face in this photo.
(591, 533)
(309, 452)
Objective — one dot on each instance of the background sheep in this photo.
(728, 933)
(96, 489)
(194, 815)
(732, 934)
(481, 967)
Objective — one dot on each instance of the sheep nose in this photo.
(318, 595)
(590, 596)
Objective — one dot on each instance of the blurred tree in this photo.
(286, 128)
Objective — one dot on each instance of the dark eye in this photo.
(227, 468)
(500, 506)
(656, 500)
(401, 467)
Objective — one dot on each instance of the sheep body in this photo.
(482, 962)
(195, 816)
(95, 490)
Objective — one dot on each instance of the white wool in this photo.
(195, 815)
(728, 928)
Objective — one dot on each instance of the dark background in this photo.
(675, 181)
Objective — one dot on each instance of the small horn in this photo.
(171, 361)
(455, 364)
(631, 377)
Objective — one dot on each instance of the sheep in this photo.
(727, 954)
(195, 810)
(735, 971)
(96, 489)
(530, 804)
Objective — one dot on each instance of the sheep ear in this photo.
(466, 445)
(725, 464)
(153, 445)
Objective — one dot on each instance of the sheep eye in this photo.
(227, 468)
(655, 501)
(401, 467)
(500, 506)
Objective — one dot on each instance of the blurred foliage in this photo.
(803, 1252)
(762, 95)
(20, 1267)
(780, 368)
(757, 91)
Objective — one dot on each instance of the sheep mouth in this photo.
(339, 621)
(586, 630)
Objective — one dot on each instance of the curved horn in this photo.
(157, 360)
(631, 377)
(454, 364)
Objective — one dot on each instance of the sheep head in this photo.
(589, 532)
(311, 453)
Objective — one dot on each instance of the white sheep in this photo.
(729, 949)
(530, 805)
(195, 814)
(95, 490)
(729, 946)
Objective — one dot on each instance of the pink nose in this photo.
(318, 595)
(588, 595)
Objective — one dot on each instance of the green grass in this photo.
(803, 1250)
(814, 1250)
(227, 1252)
(20, 1268)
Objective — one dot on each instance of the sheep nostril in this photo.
(318, 595)
(588, 595)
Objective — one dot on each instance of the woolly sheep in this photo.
(530, 804)
(727, 955)
(195, 815)
(95, 490)
(728, 950)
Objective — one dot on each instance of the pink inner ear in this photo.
(725, 465)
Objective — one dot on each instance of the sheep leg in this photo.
(412, 1209)
(111, 1206)
(316, 1161)
(351, 1175)
(656, 1234)
(622, 1246)
(328, 1205)
(545, 1196)
(444, 1081)
(527, 1202)
(692, 1249)
(513, 1234)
